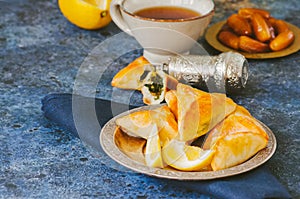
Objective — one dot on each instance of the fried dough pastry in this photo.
(199, 111)
(133, 147)
(171, 100)
(141, 75)
(235, 140)
(141, 123)
(130, 76)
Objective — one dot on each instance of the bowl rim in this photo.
(211, 12)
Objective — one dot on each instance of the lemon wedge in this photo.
(86, 14)
(153, 156)
(181, 156)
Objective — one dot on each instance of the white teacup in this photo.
(161, 38)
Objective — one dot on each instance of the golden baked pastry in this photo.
(133, 147)
(171, 99)
(199, 111)
(141, 123)
(130, 76)
(236, 139)
(141, 75)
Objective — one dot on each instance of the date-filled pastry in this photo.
(235, 140)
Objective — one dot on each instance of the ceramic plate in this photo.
(211, 38)
(107, 140)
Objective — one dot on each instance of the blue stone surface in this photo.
(42, 53)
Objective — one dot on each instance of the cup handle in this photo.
(117, 17)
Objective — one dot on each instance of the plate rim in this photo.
(109, 147)
(211, 37)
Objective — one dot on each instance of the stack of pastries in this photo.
(232, 135)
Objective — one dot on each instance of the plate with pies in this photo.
(211, 37)
(126, 139)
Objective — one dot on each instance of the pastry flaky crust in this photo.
(131, 146)
(129, 77)
(171, 100)
(236, 139)
(139, 75)
(198, 111)
(141, 123)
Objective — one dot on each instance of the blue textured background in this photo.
(41, 52)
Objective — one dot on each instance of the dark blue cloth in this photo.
(258, 183)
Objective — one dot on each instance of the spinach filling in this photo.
(155, 88)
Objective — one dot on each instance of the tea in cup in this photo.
(163, 27)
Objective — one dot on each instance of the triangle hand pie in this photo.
(141, 123)
(199, 111)
(141, 75)
(236, 139)
(130, 76)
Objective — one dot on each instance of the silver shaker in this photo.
(226, 72)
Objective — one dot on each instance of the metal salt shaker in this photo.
(226, 72)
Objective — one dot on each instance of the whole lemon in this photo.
(86, 14)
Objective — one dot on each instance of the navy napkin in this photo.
(258, 183)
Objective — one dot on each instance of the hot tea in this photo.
(167, 13)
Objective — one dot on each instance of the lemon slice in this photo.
(186, 158)
(86, 14)
(153, 156)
